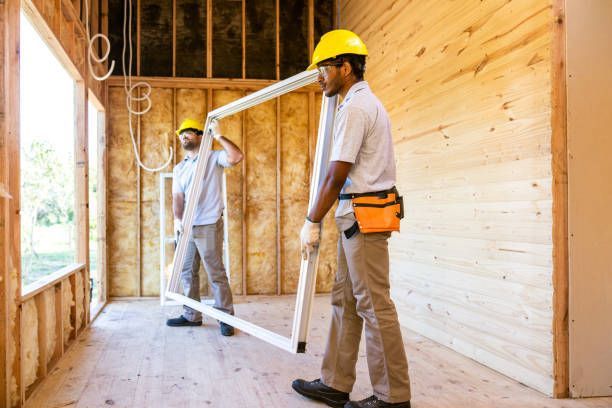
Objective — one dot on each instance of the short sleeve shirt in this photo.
(362, 136)
(210, 204)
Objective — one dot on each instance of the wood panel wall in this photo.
(26, 354)
(589, 101)
(468, 88)
(267, 192)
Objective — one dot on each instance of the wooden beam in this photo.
(310, 27)
(139, 199)
(44, 283)
(209, 40)
(243, 169)
(243, 39)
(559, 206)
(277, 25)
(173, 38)
(12, 364)
(137, 37)
(5, 217)
(206, 83)
(279, 258)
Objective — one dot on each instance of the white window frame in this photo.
(308, 268)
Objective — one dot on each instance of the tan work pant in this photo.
(361, 293)
(206, 242)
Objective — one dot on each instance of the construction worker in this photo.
(362, 167)
(206, 236)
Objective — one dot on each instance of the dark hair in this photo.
(358, 63)
(196, 131)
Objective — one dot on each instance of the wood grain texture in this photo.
(468, 91)
(560, 204)
(111, 364)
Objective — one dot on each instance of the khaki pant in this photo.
(361, 294)
(206, 243)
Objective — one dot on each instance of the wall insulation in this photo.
(267, 193)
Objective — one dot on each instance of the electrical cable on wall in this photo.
(127, 78)
(130, 88)
(90, 51)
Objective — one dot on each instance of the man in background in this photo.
(206, 237)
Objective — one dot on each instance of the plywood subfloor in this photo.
(129, 358)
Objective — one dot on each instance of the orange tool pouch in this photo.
(378, 211)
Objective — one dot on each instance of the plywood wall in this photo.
(467, 85)
(267, 192)
(589, 101)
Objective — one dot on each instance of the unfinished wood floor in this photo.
(129, 358)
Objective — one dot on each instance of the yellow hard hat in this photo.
(337, 42)
(189, 124)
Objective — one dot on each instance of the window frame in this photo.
(308, 268)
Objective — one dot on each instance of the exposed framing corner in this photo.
(559, 205)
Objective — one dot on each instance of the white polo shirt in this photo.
(362, 136)
(210, 204)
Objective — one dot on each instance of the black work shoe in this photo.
(226, 329)
(374, 402)
(181, 321)
(318, 391)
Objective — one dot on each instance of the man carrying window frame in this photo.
(206, 237)
(361, 174)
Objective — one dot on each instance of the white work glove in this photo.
(178, 226)
(213, 129)
(310, 237)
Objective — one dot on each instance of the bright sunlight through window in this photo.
(47, 159)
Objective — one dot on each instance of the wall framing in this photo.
(60, 24)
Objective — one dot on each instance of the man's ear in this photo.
(348, 67)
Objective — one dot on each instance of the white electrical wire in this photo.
(129, 88)
(90, 51)
(129, 91)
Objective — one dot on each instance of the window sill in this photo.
(46, 282)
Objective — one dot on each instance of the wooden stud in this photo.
(11, 17)
(279, 257)
(206, 83)
(243, 39)
(5, 214)
(311, 129)
(102, 209)
(310, 27)
(209, 41)
(559, 207)
(138, 53)
(173, 38)
(139, 201)
(243, 169)
(42, 335)
(277, 40)
(73, 308)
